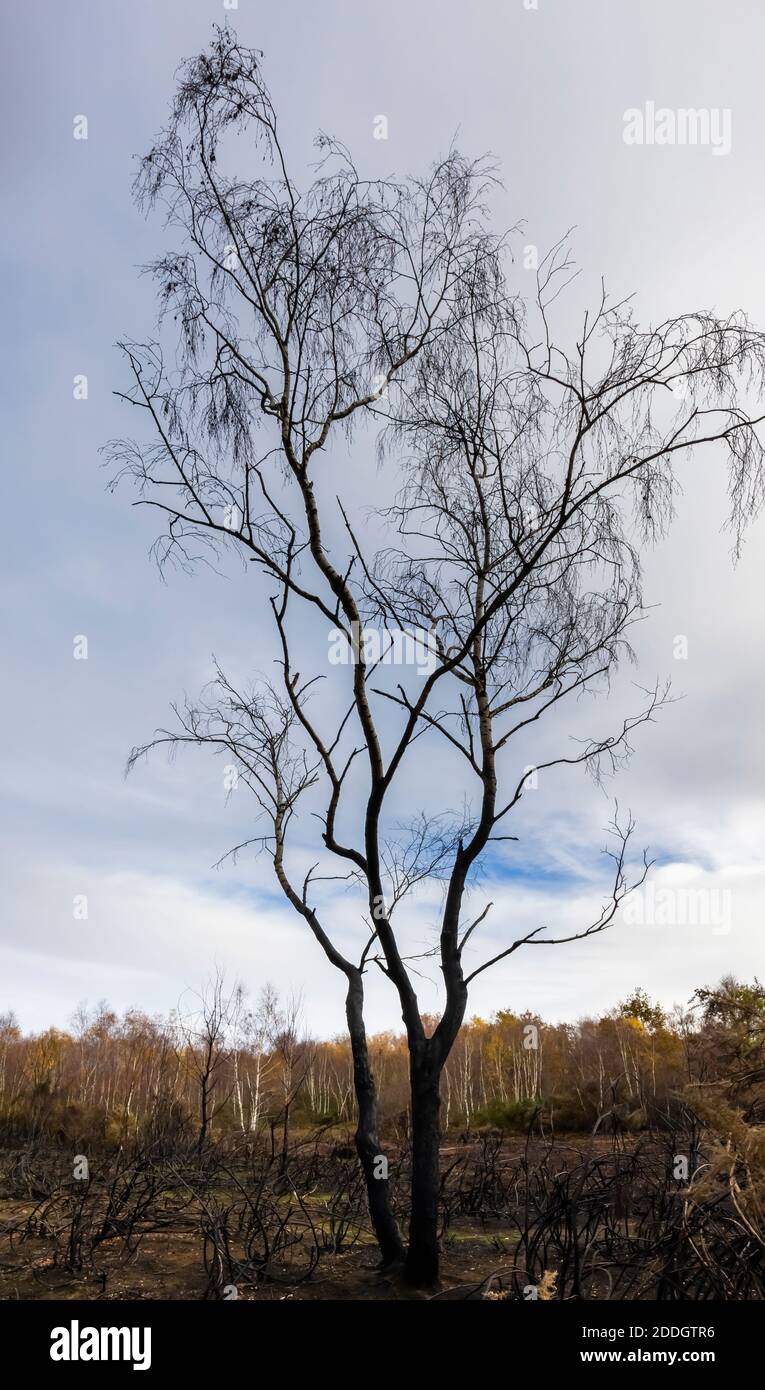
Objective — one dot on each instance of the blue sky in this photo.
(545, 91)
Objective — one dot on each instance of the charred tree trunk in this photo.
(285, 1138)
(421, 1268)
(367, 1142)
(204, 1105)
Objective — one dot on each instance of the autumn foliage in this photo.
(223, 1070)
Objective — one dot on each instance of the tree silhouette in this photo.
(519, 478)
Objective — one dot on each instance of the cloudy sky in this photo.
(545, 90)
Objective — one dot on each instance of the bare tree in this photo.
(203, 1036)
(292, 1053)
(523, 476)
(251, 1032)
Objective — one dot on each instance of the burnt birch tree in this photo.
(522, 472)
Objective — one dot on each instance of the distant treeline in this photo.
(217, 1069)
